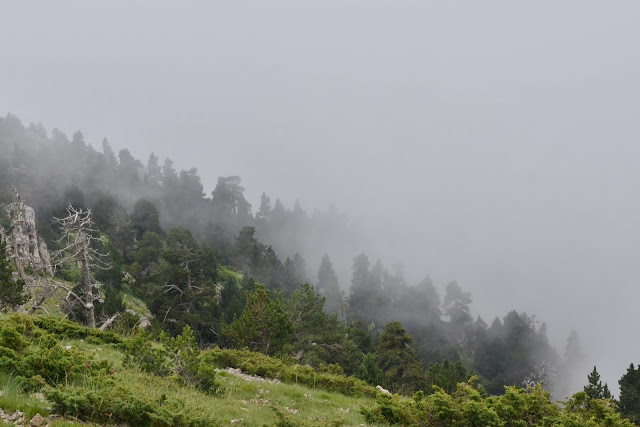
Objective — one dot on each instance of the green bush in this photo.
(11, 338)
(114, 402)
(288, 372)
(66, 329)
(468, 407)
(179, 357)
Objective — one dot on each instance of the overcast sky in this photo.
(494, 143)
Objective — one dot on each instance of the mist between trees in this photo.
(209, 262)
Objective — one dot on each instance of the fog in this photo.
(492, 143)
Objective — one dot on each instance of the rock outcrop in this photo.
(23, 241)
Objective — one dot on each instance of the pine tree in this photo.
(396, 357)
(264, 212)
(369, 372)
(11, 291)
(595, 389)
(329, 287)
(629, 403)
(263, 325)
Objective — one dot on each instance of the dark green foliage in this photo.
(147, 256)
(446, 375)
(179, 279)
(512, 351)
(329, 287)
(177, 356)
(117, 402)
(177, 283)
(228, 200)
(145, 218)
(46, 363)
(629, 402)
(396, 357)
(466, 406)
(286, 371)
(113, 302)
(369, 372)
(232, 297)
(11, 289)
(65, 329)
(263, 326)
(258, 260)
(363, 302)
(456, 304)
(317, 337)
(594, 389)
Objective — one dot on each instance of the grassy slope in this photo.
(256, 402)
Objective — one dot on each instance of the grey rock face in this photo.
(31, 249)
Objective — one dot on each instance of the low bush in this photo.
(468, 407)
(116, 401)
(178, 357)
(288, 372)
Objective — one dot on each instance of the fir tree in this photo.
(369, 372)
(11, 291)
(629, 403)
(396, 357)
(595, 389)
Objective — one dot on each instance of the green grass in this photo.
(135, 304)
(257, 403)
(223, 272)
(253, 402)
(13, 399)
(108, 352)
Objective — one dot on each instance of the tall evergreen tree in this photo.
(361, 299)
(145, 217)
(154, 171)
(396, 357)
(264, 212)
(11, 291)
(263, 326)
(594, 389)
(629, 402)
(329, 287)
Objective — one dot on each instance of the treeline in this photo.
(176, 274)
(51, 170)
(202, 262)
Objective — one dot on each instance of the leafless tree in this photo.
(78, 237)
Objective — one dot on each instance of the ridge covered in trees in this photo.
(210, 266)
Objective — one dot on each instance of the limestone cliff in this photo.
(22, 238)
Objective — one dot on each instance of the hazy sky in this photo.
(494, 142)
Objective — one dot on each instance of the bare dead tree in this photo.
(78, 236)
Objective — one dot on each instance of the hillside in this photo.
(132, 289)
(64, 372)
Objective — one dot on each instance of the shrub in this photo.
(288, 372)
(116, 402)
(179, 357)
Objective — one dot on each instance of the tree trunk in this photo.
(88, 286)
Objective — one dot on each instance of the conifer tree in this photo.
(369, 372)
(11, 291)
(263, 325)
(396, 357)
(329, 287)
(595, 389)
(629, 403)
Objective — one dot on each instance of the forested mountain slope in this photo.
(141, 245)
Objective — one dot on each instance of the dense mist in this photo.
(490, 144)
